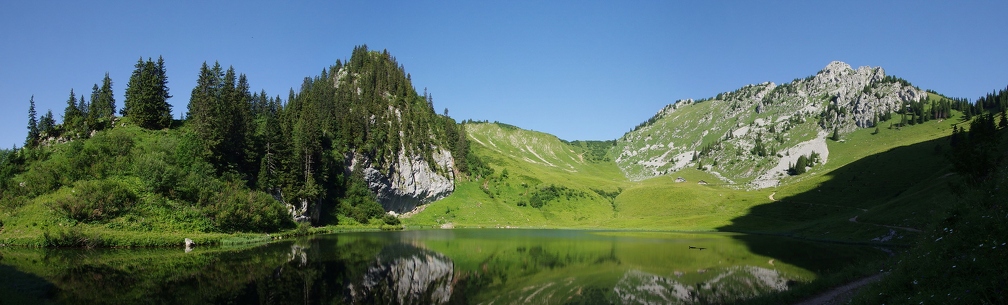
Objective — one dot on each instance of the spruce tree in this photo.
(147, 94)
(82, 106)
(162, 108)
(106, 97)
(102, 108)
(203, 114)
(33, 130)
(93, 108)
(47, 125)
(219, 110)
(72, 116)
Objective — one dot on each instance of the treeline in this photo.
(238, 154)
(80, 117)
(977, 152)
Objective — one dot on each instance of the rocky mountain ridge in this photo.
(750, 136)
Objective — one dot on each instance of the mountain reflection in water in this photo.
(426, 267)
(404, 274)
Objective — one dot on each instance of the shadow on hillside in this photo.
(884, 188)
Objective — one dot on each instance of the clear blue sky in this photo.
(576, 69)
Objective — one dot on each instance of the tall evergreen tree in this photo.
(203, 113)
(106, 97)
(102, 108)
(93, 108)
(147, 94)
(72, 116)
(219, 111)
(33, 130)
(47, 125)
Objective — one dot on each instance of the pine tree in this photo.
(33, 130)
(219, 110)
(102, 108)
(94, 109)
(82, 106)
(203, 113)
(836, 134)
(72, 116)
(106, 97)
(47, 125)
(147, 94)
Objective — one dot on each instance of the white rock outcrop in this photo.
(411, 182)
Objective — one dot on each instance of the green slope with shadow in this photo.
(899, 189)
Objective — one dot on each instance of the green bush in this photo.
(553, 192)
(359, 203)
(237, 209)
(390, 220)
(41, 178)
(197, 184)
(159, 176)
(68, 237)
(95, 200)
(106, 154)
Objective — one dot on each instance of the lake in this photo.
(461, 266)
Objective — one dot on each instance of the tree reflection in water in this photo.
(420, 267)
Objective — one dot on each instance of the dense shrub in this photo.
(158, 175)
(476, 166)
(42, 178)
(106, 154)
(10, 165)
(553, 192)
(390, 220)
(237, 209)
(359, 203)
(197, 184)
(95, 200)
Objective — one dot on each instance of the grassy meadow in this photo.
(890, 179)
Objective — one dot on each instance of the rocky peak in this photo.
(836, 67)
(751, 134)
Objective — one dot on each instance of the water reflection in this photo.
(405, 274)
(726, 286)
(422, 267)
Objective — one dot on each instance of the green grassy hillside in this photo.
(891, 180)
(529, 169)
(132, 187)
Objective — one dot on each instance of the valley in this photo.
(683, 170)
(850, 159)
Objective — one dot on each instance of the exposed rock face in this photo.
(748, 137)
(412, 180)
(864, 92)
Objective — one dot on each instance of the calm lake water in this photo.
(479, 266)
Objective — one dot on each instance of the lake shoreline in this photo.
(129, 239)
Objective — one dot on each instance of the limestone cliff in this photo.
(411, 181)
